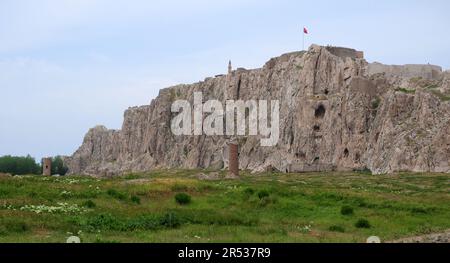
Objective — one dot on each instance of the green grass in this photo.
(405, 90)
(440, 95)
(336, 228)
(268, 207)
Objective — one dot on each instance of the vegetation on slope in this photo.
(270, 207)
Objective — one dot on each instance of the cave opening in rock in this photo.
(300, 155)
(316, 128)
(320, 112)
(357, 157)
(326, 92)
(346, 153)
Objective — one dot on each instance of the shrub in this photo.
(346, 210)
(147, 222)
(363, 170)
(375, 103)
(362, 223)
(335, 228)
(89, 204)
(104, 222)
(116, 194)
(17, 227)
(170, 220)
(405, 90)
(58, 166)
(249, 191)
(419, 210)
(135, 199)
(182, 198)
(11, 226)
(263, 193)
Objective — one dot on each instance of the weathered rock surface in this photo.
(337, 112)
(443, 237)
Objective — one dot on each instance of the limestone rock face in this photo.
(337, 112)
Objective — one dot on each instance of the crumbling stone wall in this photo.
(406, 71)
(345, 52)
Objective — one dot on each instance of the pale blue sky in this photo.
(67, 65)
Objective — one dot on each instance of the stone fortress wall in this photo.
(425, 71)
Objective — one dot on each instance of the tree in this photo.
(58, 166)
(19, 165)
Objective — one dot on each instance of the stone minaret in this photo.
(228, 84)
(232, 143)
(230, 73)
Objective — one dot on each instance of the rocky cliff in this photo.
(337, 112)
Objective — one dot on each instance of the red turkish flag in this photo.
(305, 30)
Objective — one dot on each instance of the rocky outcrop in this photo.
(337, 112)
(443, 237)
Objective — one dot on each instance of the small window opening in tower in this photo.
(320, 112)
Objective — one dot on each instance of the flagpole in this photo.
(303, 45)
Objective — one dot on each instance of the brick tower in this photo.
(47, 166)
(233, 158)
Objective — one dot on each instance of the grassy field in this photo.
(310, 207)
